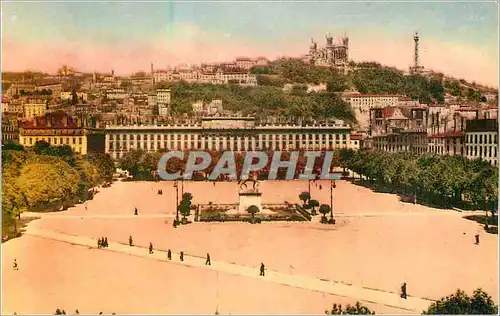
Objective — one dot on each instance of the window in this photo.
(74, 141)
(67, 140)
(80, 140)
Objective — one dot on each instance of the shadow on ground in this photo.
(481, 219)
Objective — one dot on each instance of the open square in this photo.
(377, 244)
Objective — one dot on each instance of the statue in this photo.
(252, 178)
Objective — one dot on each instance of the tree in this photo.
(324, 209)
(357, 309)
(252, 209)
(460, 303)
(304, 197)
(106, 166)
(313, 204)
(47, 179)
(185, 209)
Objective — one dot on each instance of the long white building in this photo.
(225, 133)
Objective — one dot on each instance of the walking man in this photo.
(99, 243)
(262, 269)
(106, 242)
(136, 212)
(182, 255)
(169, 255)
(477, 239)
(208, 263)
(403, 291)
(150, 248)
(130, 242)
(16, 267)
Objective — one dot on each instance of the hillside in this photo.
(261, 101)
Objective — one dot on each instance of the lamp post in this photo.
(176, 186)
(332, 186)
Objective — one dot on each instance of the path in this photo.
(414, 304)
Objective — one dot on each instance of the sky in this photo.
(457, 38)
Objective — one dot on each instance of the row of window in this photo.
(53, 140)
(187, 137)
(478, 139)
(221, 144)
(477, 151)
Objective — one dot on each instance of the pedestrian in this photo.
(403, 291)
(106, 242)
(320, 187)
(477, 239)
(99, 243)
(85, 207)
(208, 263)
(150, 248)
(262, 269)
(77, 312)
(182, 256)
(130, 242)
(214, 183)
(169, 254)
(16, 267)
(136, 212)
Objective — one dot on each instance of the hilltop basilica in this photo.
(332, 55)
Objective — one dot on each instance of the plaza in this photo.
(377, 244)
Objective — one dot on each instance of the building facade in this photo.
(414, 141)
(59, 128)
(481, 140)
(224, 133)
(448, 143)
(34, 108)
(363, 103)
(10, 128)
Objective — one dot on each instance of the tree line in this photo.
(142, 165)
(47, 177)
(441, 180)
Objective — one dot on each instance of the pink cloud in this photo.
(191, 45)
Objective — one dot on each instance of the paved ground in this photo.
(377, 244)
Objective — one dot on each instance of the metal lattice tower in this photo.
(417, 59)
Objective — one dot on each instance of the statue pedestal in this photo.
(249, 198)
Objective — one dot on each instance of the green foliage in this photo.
(106, 166)
(304, 197)
(313, 204)
(139, 163)
(47, 179)
(460, 303)
(45, 176)
(380, 80)
(252, 209)
(357, 309)
(268, 99)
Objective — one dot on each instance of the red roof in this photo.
(56, 119)
(243, 59)
(356, 137)
(448, 134)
